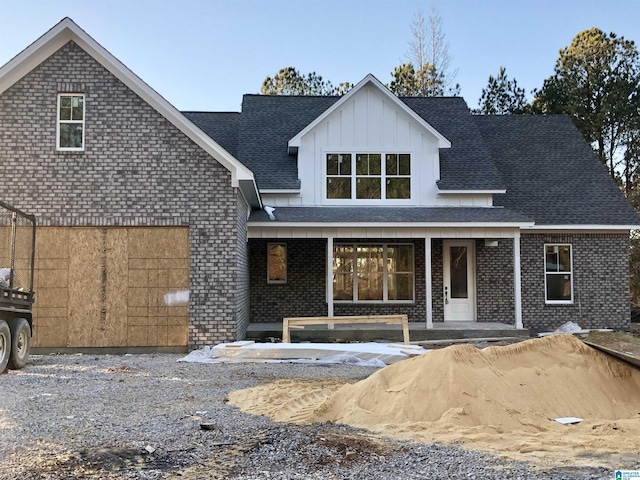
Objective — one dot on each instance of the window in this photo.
(558, 273)
(375, 176)
(373, 273)
(277, 263)
(70, 135)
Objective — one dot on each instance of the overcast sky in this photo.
(205, 54)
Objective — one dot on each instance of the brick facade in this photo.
(137, 169)
(600, 281)
(494, 282)
(304, 294)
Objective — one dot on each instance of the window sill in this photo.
(558, 302)
(69, 152)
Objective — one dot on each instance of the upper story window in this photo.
(558, 273)
(372, 176)
(70, 125)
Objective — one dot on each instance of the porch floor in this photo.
(390, 333)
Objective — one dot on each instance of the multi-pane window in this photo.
(373, 176)
(558, 273)
(368, 175)
(373, 273)
(339, 175)
(277, 263)
(70, 122)
(398, 170)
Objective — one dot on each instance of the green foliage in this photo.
(426, 82)
(502, 96)
(289, 81)
(597, 82)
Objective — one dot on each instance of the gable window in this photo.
(373, 273)
(277, 263)
(375, 176)
(558, 276)
(70, 124)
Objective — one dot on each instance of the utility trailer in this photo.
(17, 257)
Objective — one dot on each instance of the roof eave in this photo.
(66, 30)
(282, 224)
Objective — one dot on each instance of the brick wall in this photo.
(437, 279)
(242, 272)
(137, 169)
(494, 282)
(304, 294)
(600, 281)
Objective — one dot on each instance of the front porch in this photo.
(386, 333)
(464, 278)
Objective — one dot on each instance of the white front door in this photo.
(459, 289)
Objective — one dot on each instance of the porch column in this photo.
(516, 279)
(427, 281)
(330, 277)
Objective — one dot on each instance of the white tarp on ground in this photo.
(368, 354)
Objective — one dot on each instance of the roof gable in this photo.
(65, 31)
(374, 82)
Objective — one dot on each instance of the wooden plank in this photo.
(85, 285)
(297, 322)
(112, 330)
(625, 357)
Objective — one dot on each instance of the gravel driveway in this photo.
(139, 417)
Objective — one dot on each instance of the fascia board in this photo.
(67, 30)
(283, 191)
(369, 79)
(469, 192)
(280, 224)
(583, 227)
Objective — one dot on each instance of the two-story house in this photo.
(295, 206)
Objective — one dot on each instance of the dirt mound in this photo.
(499, 398)
(517, 387)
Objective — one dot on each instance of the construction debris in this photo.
(370, 354)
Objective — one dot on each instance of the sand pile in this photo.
(502, 398)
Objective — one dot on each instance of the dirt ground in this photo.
(625, 342)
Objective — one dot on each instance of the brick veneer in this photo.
(494, 282)
(304, 294)
(137, 169)
(600, 281)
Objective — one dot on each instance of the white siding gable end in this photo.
(370, 120)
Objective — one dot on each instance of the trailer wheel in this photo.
(5, 345)
(20, 344)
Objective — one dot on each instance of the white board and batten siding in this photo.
(370, 123)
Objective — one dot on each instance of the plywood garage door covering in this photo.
(106, 287)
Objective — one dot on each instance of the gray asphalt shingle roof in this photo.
(453, 215)
(223, 127)
(552, 174)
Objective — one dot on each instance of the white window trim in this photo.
(286, 263)
(383, 176)
(82, 122)
(385, 274)
(558, 302)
